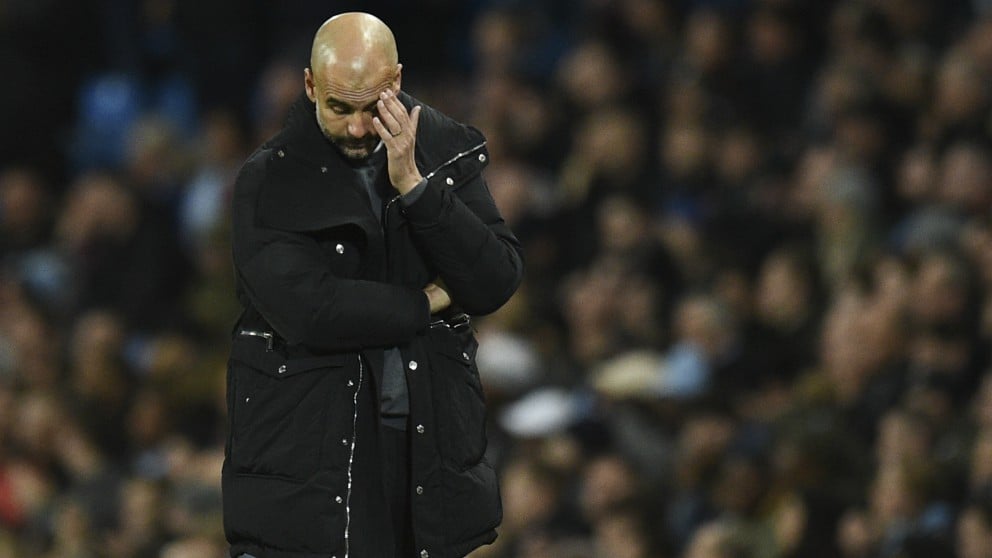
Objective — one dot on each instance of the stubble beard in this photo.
(353, 149)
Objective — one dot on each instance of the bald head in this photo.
(354, 47)
(353, 61)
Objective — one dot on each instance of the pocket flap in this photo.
(253, 353)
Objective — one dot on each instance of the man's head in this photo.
(353, 59)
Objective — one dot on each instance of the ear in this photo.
(309, 85)
(397, 81)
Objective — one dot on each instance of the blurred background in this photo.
(757, 314)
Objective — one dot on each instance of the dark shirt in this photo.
(394, 405)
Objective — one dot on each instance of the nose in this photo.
(359, 124)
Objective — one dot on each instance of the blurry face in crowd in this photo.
(345, 99)
(974, 534)
(966, 178)
(939, 289)
(22, 202)
(528, 498)
(710, 541)
(591, 76)
(783, 290)
(917, 175)
(960, 89)
(607, 481)
(708, 40)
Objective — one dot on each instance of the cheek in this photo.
(328, 120)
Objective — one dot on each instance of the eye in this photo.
(339, 110)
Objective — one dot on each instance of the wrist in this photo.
(408, 183)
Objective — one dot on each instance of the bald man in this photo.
(364, 238)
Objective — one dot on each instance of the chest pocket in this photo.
(345, 248)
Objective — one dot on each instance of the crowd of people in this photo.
(757, 314)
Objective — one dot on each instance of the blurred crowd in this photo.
(757, 316)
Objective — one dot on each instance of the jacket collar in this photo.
(303, 138)
(309, 184)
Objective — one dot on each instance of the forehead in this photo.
(353, 84)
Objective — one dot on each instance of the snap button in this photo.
(344, 441)
(420, 489)
(351, 383)
(412, 365)
(282, 369)
(420, 429)
(424, 554)
(339, 249)
(338, 499)
(465, 356)
(323, 169)
(281, 153)
(482, 157)
(449, 181)
(247, 399)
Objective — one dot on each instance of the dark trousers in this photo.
(396, 478)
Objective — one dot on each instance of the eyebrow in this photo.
(345, 104)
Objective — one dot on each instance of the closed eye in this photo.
(342, 109)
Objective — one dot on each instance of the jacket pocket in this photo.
(300, 520)
(279, 410)
(459, 400)
(472, 506)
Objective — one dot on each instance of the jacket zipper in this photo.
(385, 229)
(385, 212)
(455, 158)
(351, 459)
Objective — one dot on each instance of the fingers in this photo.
(437, 297)
(381, 129)
(397, 129)
(391, 121)
(392, 113)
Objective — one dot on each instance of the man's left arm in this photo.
(463, 235)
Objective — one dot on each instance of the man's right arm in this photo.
(288, 281)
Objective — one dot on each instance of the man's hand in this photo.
(398, 130)
(437, 297)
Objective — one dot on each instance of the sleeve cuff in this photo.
(413, 195)
(425, 209)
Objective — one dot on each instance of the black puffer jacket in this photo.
(317, 270)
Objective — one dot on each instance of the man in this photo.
(364, 235)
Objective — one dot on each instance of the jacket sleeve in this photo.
(462, 233)
(289, 284)
(288, 280)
